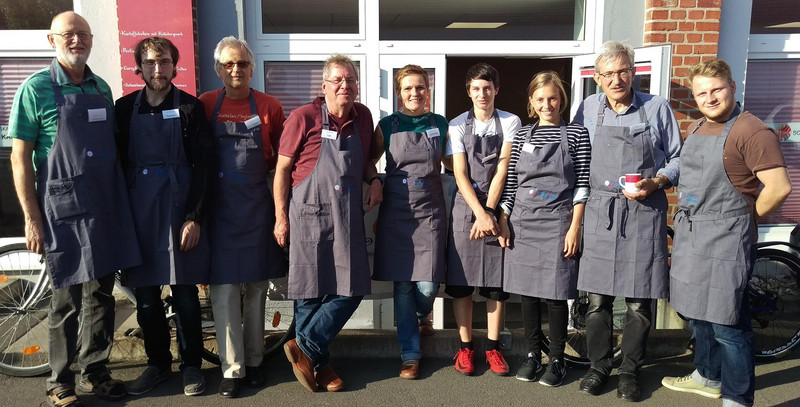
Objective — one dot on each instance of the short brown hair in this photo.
(337, 59)
(409, 70)
(541, 80)
(712, 68)
(159, 45)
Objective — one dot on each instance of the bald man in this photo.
(75, 204)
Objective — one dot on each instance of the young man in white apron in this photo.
(728, 155)
(326, 155)
(72, 192)
(625, 235)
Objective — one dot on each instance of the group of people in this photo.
(177, 194)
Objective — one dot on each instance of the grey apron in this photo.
(328, 250)
(535, 265)
(88, 227)
(714, 232)
(412, 220)
(477, 263)
(243, 249)
(158, 185)
(625, 241)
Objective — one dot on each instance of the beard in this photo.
(157, 86)
(70, 58)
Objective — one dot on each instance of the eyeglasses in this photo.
(342, 81)
(69, 35)
(162, 63)
(624, 74)
(241, 64)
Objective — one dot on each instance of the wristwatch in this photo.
(659, 182)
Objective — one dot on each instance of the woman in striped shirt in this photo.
(543, 200)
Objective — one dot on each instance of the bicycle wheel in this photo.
(575, 350)
(278, 317)
(210, 350)
(25, 293)
(775, 304)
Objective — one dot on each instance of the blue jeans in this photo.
(318, 321)
(413, 301)
(729, 349)
(155, 328)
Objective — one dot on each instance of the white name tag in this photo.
(432, 133)
(252, 122)
(97, 115)
(528, 147)
(638, 128)
(170, 114)
(329, 134)
(489, 158)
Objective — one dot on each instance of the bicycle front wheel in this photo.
(25, 293)
(775, 304)
(278, 317)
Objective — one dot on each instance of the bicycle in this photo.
(25, 293)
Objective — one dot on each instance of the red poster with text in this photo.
(173, 20)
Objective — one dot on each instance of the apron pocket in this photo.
(719, 239)
(63, 200)
(316, 222)
(692, 179)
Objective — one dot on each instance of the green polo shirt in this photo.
(34, 116)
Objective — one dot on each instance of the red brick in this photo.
(697, 14)
(713, 14)
(683, 49)
(656, 38)
(676, 38)
(706, 49)
(709, 3)
(694, 38)
(704, 26)
(691, 60)
(711, 38)
(663, 26)
(686, 26)
(680, 72)
(680, 93)
(660, 15)
(677, 14)
(677, 60)
(688, 3)
(656, 3)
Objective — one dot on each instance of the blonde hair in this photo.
(409, 70)
(541, 80)
(712, 68)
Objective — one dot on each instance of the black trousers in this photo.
(634, 335)
(557, 315)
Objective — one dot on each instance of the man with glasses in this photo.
(246, 127)
(163, 142)
(625, 235)
(73, 196)
(327, 152)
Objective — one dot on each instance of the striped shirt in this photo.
(580, 150)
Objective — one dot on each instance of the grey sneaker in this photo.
(148, 379)
(194, 383)
(530, 369)
(554, 375)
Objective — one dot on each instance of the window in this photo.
(775, 17)
(295, 83)
(309, 17)
(29, 14)
(773, 95)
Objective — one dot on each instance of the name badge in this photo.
(432, 133)
(638, 128)
(528, 147)
(170, 114)
(97, 115)
(252, 122)
(329, 134)
(489, 158)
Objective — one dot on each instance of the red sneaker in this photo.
(496, 362)
(464, 362)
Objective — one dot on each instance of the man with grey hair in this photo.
(246, 125)
(625, 235)
(327, 151)
(73, 195)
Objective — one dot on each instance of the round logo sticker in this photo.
(89, 153)
(336, 187)
(144, 171)
(220, 174)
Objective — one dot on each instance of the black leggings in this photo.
(558, 314)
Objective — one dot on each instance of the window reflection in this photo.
(309, 16)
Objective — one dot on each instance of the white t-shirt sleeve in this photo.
(511, 124)
(455, 131)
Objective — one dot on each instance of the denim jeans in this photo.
(81, 313)
(725, 353)
(634, 334)
(413, 301)
(318, 321)
(155, 328)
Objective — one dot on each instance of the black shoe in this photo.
(253, 377)
(628, 388)
(229, 387)
(593, 382)
(530, 369)
(554, 375)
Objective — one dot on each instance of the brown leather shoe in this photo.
(409, 369)
(329, 380)
(426, 328)
(302, 366)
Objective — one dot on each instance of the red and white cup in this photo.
(628, 182)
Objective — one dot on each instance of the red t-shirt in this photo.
(238, 111)
(301, 138)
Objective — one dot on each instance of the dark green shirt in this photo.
(417, 124)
